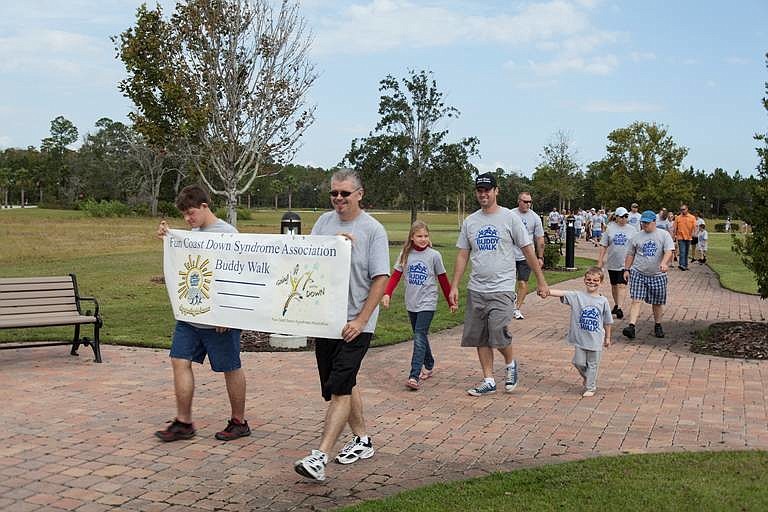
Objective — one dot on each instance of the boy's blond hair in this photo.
(595, 271)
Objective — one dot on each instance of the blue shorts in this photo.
(597, 233)
(651, 289)
(194, 343)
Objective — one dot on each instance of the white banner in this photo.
(288, 284)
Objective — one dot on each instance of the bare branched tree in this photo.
(249, 64)
(151, 163)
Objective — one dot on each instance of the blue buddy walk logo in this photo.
(649, 248)
(620, 239)
(487, 238)
(589, 319)
(195, 287)
(417, 273)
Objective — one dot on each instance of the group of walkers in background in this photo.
(590, 225)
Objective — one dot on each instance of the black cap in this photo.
(486, 180)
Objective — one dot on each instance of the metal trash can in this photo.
(290, 224)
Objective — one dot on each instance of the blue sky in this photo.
(518, 71)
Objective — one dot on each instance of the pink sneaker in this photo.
(425, 374)
(413, 384)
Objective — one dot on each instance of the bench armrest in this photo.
(92, 299)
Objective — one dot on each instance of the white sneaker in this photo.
(589, 392)
(354, 451)
(483, 389)
(510, 383)
(312, 466)
(518, 314)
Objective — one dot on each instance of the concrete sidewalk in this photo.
(75, 435)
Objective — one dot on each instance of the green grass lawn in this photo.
(116, 259)
(728, 265)
(660, 482)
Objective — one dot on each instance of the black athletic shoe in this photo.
(234, 430)
(613, 311)
(658, 331)
(619, 313)
(629, 331)
(175, 431)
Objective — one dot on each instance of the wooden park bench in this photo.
(46, 302)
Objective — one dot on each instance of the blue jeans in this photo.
(685, 246)
(422, 354)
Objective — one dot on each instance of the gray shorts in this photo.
(523, 270)
(486, 318)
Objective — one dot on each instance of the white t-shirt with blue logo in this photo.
(634, 220)
(598, 220)
(533, 225)
(616, 240)
(420, 272)
(648, 249)
(491, 240)
(589, 314)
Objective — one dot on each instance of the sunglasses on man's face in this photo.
(342, 193)
(625, 216)
(526, 202)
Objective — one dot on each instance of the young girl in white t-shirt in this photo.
(423, 269)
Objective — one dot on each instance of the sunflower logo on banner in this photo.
(194, 289)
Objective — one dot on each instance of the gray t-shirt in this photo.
(634, 220)
(533, 226)
(370, 257)
(421, 271)
(703, 237)
(649, 249)
(589, 314)
(616, 240)
(219, 226)
(598, 220)
(697, 227)
(490, 239)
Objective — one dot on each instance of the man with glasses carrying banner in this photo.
(339, 360)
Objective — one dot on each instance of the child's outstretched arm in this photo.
(394, 279)
(554, 292)
(607, 342)
(446, 287)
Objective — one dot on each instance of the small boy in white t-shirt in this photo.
(590, 330)
(701, 247)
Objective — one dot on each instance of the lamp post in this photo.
(570, 243)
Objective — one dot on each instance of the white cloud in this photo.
(46, 49)
(560, 30)
(738, 61)
(536, 84)
(642, 56)
(620, 106)
(382, 25)
(596, 65)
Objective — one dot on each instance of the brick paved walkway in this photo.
(75, 435)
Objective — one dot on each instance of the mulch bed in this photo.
(254, 341)
(743, 340)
